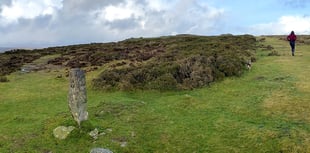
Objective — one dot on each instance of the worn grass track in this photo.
(265, 110)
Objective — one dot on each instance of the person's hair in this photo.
(292, 32)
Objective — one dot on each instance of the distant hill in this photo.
(169, 62)
(3, 49)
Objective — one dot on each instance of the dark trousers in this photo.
(292, 43)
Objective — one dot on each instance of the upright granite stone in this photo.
(77, 98)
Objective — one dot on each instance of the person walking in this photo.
(292, 38)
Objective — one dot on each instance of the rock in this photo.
(100, 150)
(123, 144)
(94, 133)
(102, 133)
(109, 130)
(77, 98)
(122, 141)
(62, 132)
(30, 68)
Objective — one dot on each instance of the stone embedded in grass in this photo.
(100, 150)
(94, 133)
(62, 132)
(77, 98)
(122, 141)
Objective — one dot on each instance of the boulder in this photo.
(62, 132)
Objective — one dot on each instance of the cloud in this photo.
(5, 2)
(295, 3)
(122, 11)
(27, 9)
(285, 24)
(184, 16)
(62, 22)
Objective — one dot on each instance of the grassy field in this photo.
(265, 110)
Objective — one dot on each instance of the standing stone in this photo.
(77, 98)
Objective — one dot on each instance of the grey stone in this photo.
(100, 150)
(94, 133)
(62, 132)
(77, 98)
(123, 144)
(30, 68)
(109, 130)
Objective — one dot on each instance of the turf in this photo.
(265, 110)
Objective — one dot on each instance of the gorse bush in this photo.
(187, 62)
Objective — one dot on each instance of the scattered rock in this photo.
(24, 70)
(122, 141)
(109, 130)
(123, 144)
(102, 133)
(100, 150)
(62, 132)
(94, 133)
(31, 68)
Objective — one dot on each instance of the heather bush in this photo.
(163, 82)
(183, 62)
(4, 79)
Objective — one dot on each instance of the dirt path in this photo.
(293, 99)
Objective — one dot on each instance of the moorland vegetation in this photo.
(265, 109)
(163, 63)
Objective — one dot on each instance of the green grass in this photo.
(265, 110)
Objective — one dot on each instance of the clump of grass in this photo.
(266, 110)
(274, 53)
(4, 79)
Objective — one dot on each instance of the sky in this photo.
(45, 23)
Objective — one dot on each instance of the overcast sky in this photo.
(43, 23)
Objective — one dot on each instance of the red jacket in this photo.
(291, 37)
